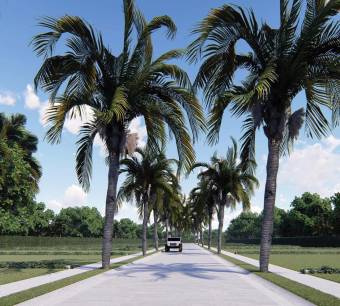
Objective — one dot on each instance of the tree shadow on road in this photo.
(164, 271)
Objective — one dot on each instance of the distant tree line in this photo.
(36, 220)
(309, 215)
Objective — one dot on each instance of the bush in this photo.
(313, 241)
(47, 264)
(323, 269)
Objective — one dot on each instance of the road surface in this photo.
(194, 277)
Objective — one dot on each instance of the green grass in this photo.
(314, 296)
(295, 257)
(71, 250)
(22, 296)
(13, 275)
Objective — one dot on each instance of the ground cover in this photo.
(315, 296)
(295, 257)
(59, 251)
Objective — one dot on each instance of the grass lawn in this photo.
(315, 296)
(22, 296)
(69, 251)
(295, 257)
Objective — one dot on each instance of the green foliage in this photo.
(246, 225)
(15, 186)
(78, 222)
(335, 199)
(310, 215)
(323, 269)
(116, 88)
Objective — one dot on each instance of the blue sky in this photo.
(313, 166)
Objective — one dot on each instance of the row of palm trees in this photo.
(302, 54)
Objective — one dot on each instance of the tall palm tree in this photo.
(14, 133)
(230, 181)
(199, 217)
(146, 175)
(204, 198)
(169, 205)
(116, 89)
(302, 54)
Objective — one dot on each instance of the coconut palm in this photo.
(114, 90)
(302, 54)
(198, 214)
(146, 175)
(230, 181)
(169, 205)
(204, 198)
(161, 195)
(13, 133)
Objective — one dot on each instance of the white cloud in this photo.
(7, 98)
(128, 211)
(73, 196)
(136, 126)
(32, 101)
(314, 168)
(42, 113)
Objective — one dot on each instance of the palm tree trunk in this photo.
(209, 232)
(269, 203)
(167, 228)
(109, 210)
(145, 220)
(220, 228)
(155, 228)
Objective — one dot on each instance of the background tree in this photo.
(146, 173)
(204, 198)
(310, 215)
(335, 199)
(116, 89)
(301, 55)
(246, 226)
(231, 182)
(79, 222)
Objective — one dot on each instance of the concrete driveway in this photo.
(194, 277)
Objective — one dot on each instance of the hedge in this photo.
(313, 241)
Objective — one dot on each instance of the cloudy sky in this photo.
(313, 165)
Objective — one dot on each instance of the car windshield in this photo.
(174, 239)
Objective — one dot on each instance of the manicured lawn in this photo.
(22, 296)
(315, 296)
(68, 251)
(13, 275)
(295, 258)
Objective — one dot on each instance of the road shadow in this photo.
(159, 271)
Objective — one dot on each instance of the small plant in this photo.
(323, 269)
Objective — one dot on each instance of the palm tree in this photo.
(169, 205)
(116, 89)
(230, 181)
(13, 133)
(204, 198)
(145, 176)
(199, 217)
(301, 55)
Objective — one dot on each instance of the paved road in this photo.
(194, 277)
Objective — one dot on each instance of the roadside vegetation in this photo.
(26, 257)
(314, 296)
